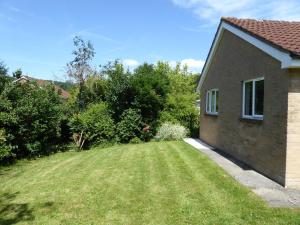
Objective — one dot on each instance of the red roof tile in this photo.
(281, 34)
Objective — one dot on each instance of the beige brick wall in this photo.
(293, 131)
(260, 144)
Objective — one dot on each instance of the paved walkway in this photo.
(274, 194)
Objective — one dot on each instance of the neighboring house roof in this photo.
(63, 93)
(279, 39)
(21, 79)
(282, 34)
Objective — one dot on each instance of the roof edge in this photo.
(287, 58)
(293, 54)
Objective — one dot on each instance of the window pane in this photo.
(213, 98)
(207, 101)
(259, 97)
(248, 98)
(217, 101)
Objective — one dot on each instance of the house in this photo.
(250, 96)
(42, 83)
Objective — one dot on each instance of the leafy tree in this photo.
(150, 84)
(180, 104)
(95, 89)
(3, 76)
(119, 95)
(17, 74)
(79, 68)
(31, 118)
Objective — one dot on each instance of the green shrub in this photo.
(130, 125)
(135, 140)
(5, 148)
(169, 131)
(93, 126)
(31, 117)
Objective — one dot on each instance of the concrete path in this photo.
(274, 194)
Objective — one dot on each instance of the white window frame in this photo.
(208, 107)
(253, 116)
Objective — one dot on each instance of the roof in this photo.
(63, 93)
(279, 39)
(281, 34)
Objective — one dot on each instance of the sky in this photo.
(36, 36)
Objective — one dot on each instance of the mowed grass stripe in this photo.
(152, 183)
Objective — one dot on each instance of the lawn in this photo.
(153, 183)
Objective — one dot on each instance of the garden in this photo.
(107, 105)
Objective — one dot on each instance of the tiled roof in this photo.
(281, 34)
(63, 93)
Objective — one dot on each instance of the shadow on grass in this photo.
(12, 213)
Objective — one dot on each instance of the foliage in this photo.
(130, 125)
(3, 76)
(17, 74)
(5, 148)
(79, 68)
(31, 117)
(135, 140)
(94, 125)
(150, 84)
(169, 131)
(180, 103)
(95, 89)
(120, 94)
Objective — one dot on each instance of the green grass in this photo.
(153, 183)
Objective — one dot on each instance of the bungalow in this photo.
(250, 96)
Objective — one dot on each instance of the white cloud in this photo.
(193, 65)
(212, 10)
(131, 63)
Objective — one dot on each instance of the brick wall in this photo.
(293, 131)
(260, 144)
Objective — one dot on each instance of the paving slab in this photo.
(273, 193)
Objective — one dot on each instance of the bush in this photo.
(130, 125)
(31, 117)
(135, 140)
(94, 125)
(5, 149)
(169, 131)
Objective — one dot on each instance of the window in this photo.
(253, 98)
(212, 101)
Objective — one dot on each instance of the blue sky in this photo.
(36, 36)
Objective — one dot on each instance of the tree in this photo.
(180, 105)
(3, 76)
(119, 95)
(31, 117)
(151, 85)
(79, 68)
(17, 74)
